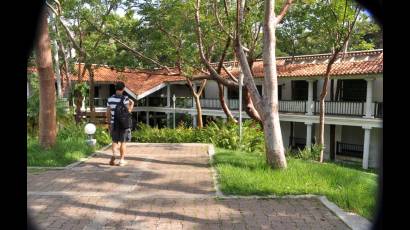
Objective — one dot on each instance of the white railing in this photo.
(343, 108)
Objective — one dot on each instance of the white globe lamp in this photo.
(90, 129)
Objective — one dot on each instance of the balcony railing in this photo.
(344, 108)
(292, 106)
(100, 102)
(378, 109)
(350, 150)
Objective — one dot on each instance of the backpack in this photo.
(122, 117)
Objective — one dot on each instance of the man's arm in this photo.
(130, 105)
(108, 116)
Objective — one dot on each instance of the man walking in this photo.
(119, 136)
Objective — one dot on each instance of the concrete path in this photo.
(164, 186)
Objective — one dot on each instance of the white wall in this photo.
(319, 89)
(299, 130)
(286, 88)
(352, 135)
(211, 90)
(378, 90)
(376, 147)
(285, 128)
(180, 91)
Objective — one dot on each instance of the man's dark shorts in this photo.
(120, 135)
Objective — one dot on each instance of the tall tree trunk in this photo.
(275, 152)
(224, 105)
(47, 119)
(267, 106)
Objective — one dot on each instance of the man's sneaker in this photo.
(112, 161)
(122, 162)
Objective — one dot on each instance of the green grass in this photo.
(63, 153)
(243, 173)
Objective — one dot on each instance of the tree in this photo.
(341, 17)
(88, 44)
(47, 118)
(266, 106)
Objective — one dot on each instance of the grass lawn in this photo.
(63, 153)
(243, 173)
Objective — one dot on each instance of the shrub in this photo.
(221, 134)
(312, 153)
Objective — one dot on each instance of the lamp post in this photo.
(173, 101)
(89, 129)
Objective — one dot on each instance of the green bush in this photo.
(70, 146)
(312, 153)
(102, 136)
(221, 134)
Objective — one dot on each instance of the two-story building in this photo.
(353, 107)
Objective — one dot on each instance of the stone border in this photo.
(72, 164)
(352, 220)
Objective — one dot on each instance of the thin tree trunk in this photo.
(224, 105)
(250, 108)
(47, 119)
(322, 104)
(56, 61)
(198, 111)
(196, 95)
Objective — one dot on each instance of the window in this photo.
(353, 90)
(280, 92)
(96, 91)
(112, 89)
(259, 87)
(299, 90)
(233, 93)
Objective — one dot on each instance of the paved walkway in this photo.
(162, 187)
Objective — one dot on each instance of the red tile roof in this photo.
(299, 68)
(140, 81)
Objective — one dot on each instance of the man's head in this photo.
(119, 87)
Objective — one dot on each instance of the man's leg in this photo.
(123, 148)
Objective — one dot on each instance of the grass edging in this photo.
(72, 164)
(352, 220)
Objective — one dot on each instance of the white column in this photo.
(366, 147)
(168, 101)
(308, 135)
(194, 123)
(309, 106)
(369, 98)
(226, 94)
(168, 95)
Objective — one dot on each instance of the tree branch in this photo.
(283, 12)
(137, 53)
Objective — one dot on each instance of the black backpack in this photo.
(122, 117)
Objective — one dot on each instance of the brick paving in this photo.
(162, 187)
